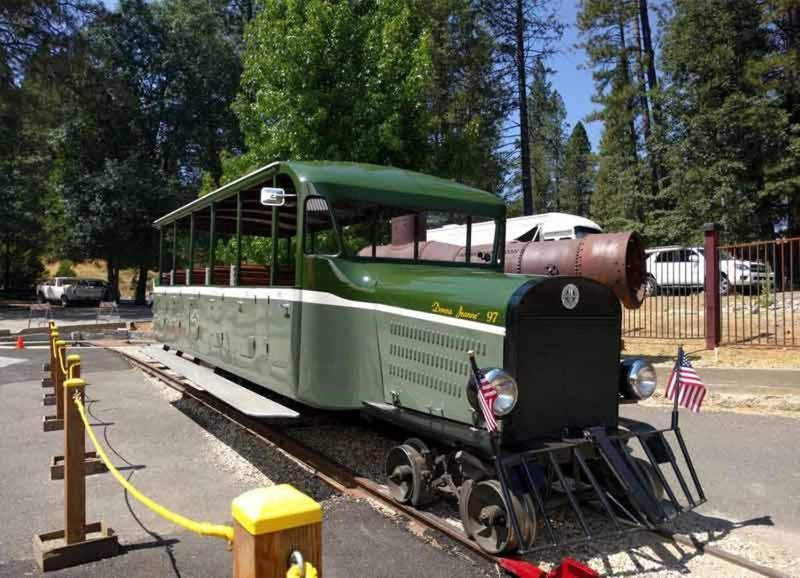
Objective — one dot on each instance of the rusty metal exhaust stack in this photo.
(617, 260)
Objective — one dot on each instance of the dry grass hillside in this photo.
(97, 270)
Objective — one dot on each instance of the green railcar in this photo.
(315, 281)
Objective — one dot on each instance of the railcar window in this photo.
(320, 234)
(385, 232)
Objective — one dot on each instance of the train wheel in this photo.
(407, 475)
(484, 513)
(656, 487)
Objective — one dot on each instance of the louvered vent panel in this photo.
(429, 358)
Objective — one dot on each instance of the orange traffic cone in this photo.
(20, 342)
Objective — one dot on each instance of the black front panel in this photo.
(566, 361)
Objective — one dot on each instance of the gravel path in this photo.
(362, 447)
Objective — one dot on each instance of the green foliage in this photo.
(577, 181)
(401, 82)
(65, 269)
(728, 131)
(547, 118)
(147, 113)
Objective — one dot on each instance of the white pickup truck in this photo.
(68, 290)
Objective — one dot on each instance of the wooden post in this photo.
(53, 360)
(271, 523)
(74, 451)
(61, 353)
(711, 250)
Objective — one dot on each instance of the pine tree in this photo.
(622, 194)
(577, 180)
(547, 117)
(525, 31)
(727, 127)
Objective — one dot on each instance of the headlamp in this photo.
(640, 378)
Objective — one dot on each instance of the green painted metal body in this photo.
(354, 330)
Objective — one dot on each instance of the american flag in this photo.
(691, 391)
(486, 394)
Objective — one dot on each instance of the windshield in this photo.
(581, 232)
(375, 231)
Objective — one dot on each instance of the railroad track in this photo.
(347, 481)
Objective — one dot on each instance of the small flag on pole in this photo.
(486, 395)
(686, 384)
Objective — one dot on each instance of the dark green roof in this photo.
(361, 182)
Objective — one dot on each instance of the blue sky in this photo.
(569, 78)
(573, 82)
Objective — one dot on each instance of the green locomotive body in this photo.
(297, 290)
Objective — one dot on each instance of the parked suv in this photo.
(686, 267)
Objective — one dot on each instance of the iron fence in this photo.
(755, 289)
(763, 306)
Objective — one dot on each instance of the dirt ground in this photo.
(753, 318)
(725, 356)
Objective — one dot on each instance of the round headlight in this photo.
(506, 388)
(641, 379)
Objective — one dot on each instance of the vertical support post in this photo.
(61, 377)
(238, 238)
(160, 254)
(74, 452)
(269, 524)
(53, 358)
(711, 250)
(212, 243)
(191, 250)
(275, 238)
(174, 252)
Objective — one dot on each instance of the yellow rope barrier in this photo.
(202, 528)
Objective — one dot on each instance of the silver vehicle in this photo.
(69, 290)
(685, 267)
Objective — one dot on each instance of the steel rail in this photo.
(346, 481)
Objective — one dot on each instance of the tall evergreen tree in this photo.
(727, 127)
(547, 116)
(525, 31)
(577, 181)
(621, 198)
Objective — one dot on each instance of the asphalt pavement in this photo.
(170, 457)
(749, 465)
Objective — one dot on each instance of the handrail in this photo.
(202, 528)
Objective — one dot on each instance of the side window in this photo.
(683, 256)
(320, 236)
(665, 257)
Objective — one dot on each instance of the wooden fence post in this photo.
(74, 451)
(269, 524)
(711, 250)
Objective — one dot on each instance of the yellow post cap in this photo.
(61, 342)
(73, 358)
(276, 508)
(75, 382)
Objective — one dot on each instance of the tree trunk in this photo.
(626, 80)
(525, 153)
(647, 46)
(141, 285)
(113, 278)
(7, 266)
(644, 102)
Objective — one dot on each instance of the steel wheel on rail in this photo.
(407, 475)
(486, 519)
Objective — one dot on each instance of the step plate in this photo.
(244, 400)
